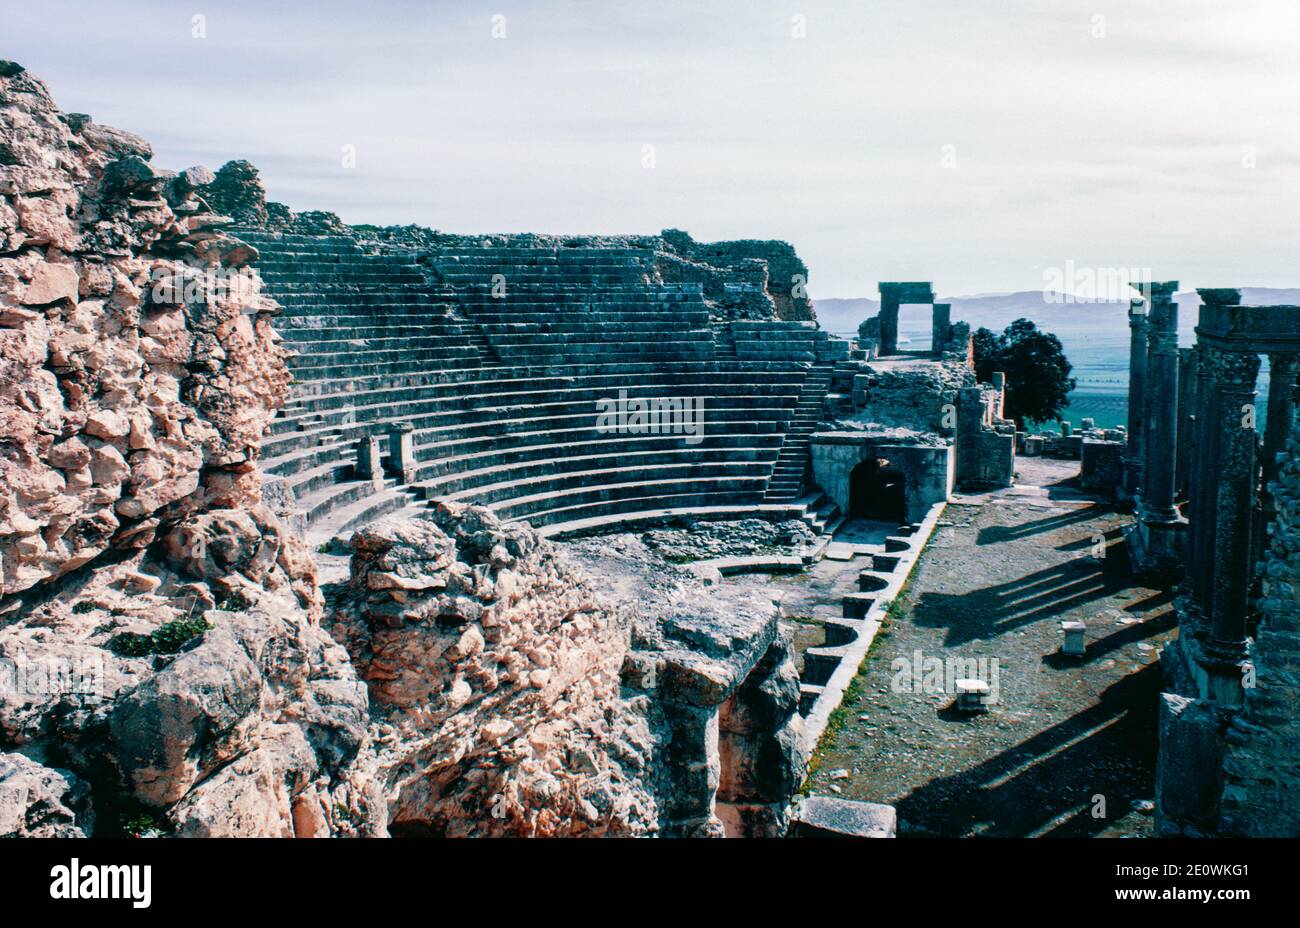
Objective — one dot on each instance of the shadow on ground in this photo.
(1048, 784)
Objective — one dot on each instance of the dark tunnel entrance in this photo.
(877, 491)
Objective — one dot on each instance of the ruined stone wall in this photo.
(122, 401)
(750, 280)
(747, 279)
(921, 396)
(494, 673)
(1262, 742)
(141, 575)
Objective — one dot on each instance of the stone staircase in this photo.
(791, 468)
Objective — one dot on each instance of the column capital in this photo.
(1156, 291)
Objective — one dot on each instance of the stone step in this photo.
(301, 362)
(359, 512)
(460, 424)
(511, 481)
(585, 511)
(584, 328)
(537, 492)
(297, 460)
(569, 314)
(439, 457)
(454, 385)
(356, 408)
(616, 368)
(495, 456)
(429, 337)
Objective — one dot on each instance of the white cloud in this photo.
(1123, 151)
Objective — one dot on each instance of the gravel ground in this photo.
(1003, 570)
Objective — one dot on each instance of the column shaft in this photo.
(1135, 460)
(1235, 473)
(1162, 411)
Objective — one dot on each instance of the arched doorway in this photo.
(877, 491)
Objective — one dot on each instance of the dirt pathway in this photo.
(1002, 572)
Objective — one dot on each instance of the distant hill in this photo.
(843, 316)
(1095, 335)
(1078, 319)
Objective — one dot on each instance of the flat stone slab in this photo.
(828, 817)
(840, 551)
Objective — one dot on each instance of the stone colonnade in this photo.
(1229, 475)
(1157, 540)
(1229, 472)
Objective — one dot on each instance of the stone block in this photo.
(1189, 774)
(827, 817)
(1073, 643)
(972, 695)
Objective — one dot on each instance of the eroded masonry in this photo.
(1215, 504)
(317, 529)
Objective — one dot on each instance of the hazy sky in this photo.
(1126, 141)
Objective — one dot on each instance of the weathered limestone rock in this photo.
(828, 817)
(41, 802)
(138, 372)
(495, 670)
(165, 391)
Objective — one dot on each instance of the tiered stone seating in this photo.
(502, 389)
(353, 321)
(787, 341)
(574, 304)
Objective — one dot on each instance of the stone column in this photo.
(369, 466)
(1235, 475)
(1200, 508)
(1187, 382)
(1134, 459)
(1283, 371)
(940, 322)
(401, 447)
(889, 304)
(1161, 529)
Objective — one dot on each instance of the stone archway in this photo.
(878, 492)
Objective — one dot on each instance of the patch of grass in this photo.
(166, 639)
(84, 606)
(130, 644)
(119, 816)
(802, 620)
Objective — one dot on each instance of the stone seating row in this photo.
(498, 396)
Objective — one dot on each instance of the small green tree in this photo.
(1038, 373)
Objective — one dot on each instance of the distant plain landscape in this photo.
(1095, 336)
